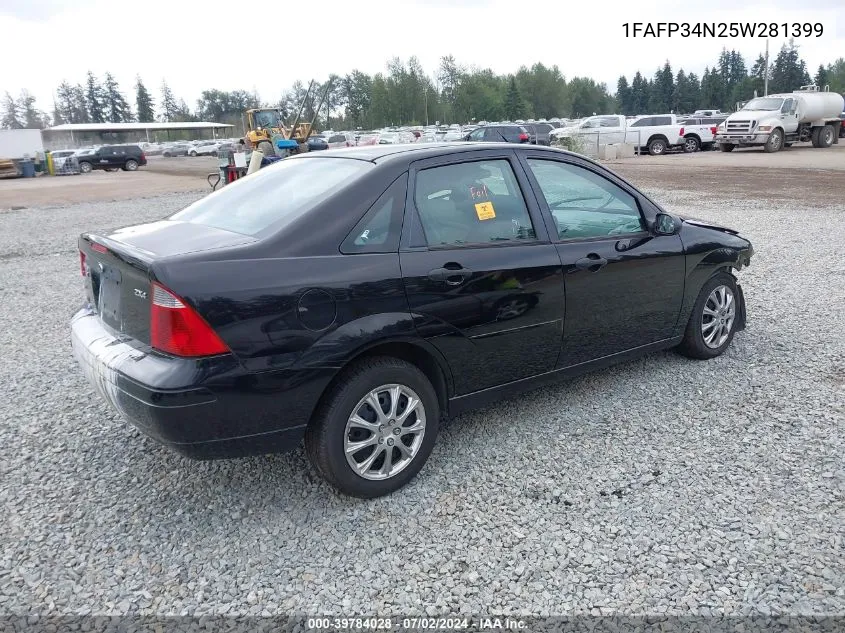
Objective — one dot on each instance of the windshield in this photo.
(277, 194)
(764, 103)
(266, 118)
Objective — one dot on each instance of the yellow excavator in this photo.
(267, 132)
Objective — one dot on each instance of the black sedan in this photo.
(357, 298)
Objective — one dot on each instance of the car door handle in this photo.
(592, 262)
(452, 274)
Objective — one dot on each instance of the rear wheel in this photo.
(374, 429)
(827, 136)
(656, 146)
(713, 321)
(691, 144)
(726, 147)
(775, 142)
(131, 165)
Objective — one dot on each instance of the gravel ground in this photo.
(664, 486)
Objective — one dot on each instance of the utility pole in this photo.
(766, 72)
(426, 104)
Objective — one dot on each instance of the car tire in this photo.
(193, 154)
(726, 147)
(85, 167)
(775, 142)
(827, 136)
(130, 165)
(702, 340)
(657, 147)
(691, 144)
(331, 432)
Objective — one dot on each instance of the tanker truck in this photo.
(779, 120)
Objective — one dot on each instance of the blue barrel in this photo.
(27, 168)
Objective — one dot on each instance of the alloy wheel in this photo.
(385, 431)
(718, 316)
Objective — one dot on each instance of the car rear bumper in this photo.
(202, 408)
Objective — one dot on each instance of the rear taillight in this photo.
(682, 131)
(83, 266)
(143, 156)
(714, 128)
(523, 137)
(177, 329)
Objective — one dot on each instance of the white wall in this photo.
(20, 143)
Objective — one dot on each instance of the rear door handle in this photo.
(592, 262)
(454, 276)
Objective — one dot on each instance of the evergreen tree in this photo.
(95, 99)
(624, 97)
(116, 107)
(789, 71)
(514, 104)
(144, 105)
(9, 116)
(30, 116)
(694, 88)
(662, 89)
(822, 78)
(169, 106)
(639, 95)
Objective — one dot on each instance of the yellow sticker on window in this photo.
(485, 211)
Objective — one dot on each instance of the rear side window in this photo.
(275, 195)
(662, 120)
(379, 229)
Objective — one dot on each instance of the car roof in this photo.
(382, 154)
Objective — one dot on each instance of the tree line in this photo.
(404, 94)
(728, 82)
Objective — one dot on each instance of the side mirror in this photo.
(665, 224)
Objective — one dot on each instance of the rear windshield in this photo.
(277, 194)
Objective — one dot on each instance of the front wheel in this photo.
(193, 154)
(713, 321)
(375, 428)
(775, 142)
(85, 168)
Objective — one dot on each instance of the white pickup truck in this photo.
(655, 133)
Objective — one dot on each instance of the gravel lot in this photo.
(664, 486)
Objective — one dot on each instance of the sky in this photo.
(197, 45)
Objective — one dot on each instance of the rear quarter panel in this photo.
(260, 309)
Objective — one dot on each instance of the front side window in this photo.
(584, 204)
(275, 195)
(476, 135)
(609, 121)
(472, 203)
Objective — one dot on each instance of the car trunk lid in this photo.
(118, 268)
